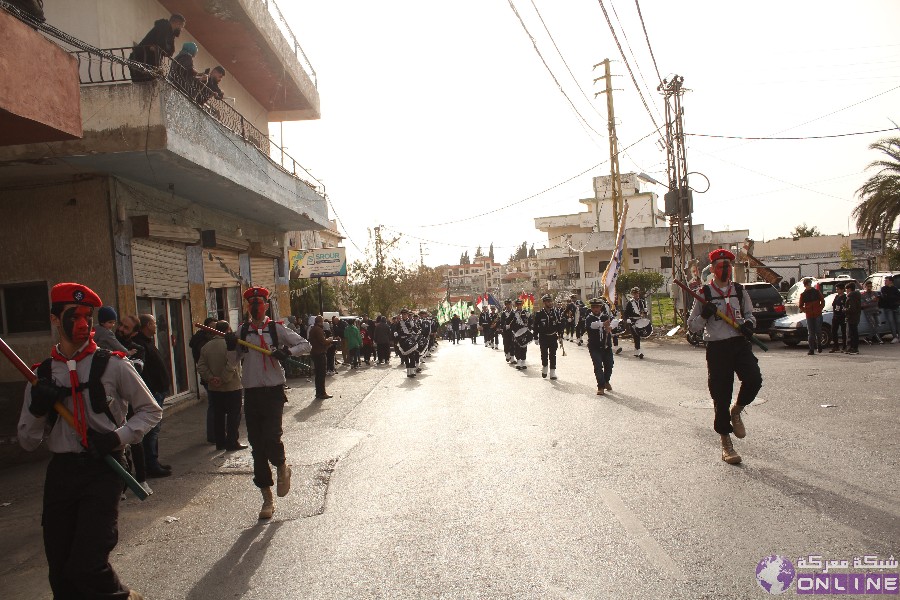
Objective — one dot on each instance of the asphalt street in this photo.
(475, 480)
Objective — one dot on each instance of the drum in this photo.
(617, 326)
(643, 328)
(525, 338)
(408, 345)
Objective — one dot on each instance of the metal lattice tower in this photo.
(679, 202)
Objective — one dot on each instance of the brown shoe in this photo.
(133, 595)
(607, 387)
(284, 480)
(728, 453)
(268, 507)
(737, 424)
(600, 391)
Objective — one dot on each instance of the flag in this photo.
(481, 303)
(443, 312)
(611, 273)
(493, 301)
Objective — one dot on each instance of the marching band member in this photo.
(520, 328)
(508, 346)
(600, 337)
(635, 309)
(728, 351)
(548, 328)
(484, 320)
(407, 341)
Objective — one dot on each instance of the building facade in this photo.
(162, 203)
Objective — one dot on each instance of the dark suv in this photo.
(767, 304)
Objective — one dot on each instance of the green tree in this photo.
(305, 296)
(647, 281)
(846, 255)
(802, 231)
(464, 258)
(532, 253)
(478, 251)
(520, 253)
(879, 207)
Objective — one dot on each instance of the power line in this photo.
(627, 66)
(633, 56)
(549, 70)
(808, 137)
(647, 37)
(552, 187)
(575, 79)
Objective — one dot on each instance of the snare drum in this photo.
(642, 328)
(617, 326)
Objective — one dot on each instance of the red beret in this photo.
(74, 293)
(256, 292)
(721, 253)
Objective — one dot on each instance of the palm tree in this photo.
(880, 194)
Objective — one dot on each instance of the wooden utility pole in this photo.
(614, 175)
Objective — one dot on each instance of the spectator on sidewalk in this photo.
(223, 372)
(368, 346)
(104, 334)
(156, 375)
(870, 311)
(353, 342)
(125, 332)
(854, 310)
(890, 303)
(337, 330)
(320, 343)
(383, 339)
(198, 340)
(839, 320)
(812, 303)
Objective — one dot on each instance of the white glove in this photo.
(537, 342)
(596, 325)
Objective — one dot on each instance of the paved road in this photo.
(476, 480)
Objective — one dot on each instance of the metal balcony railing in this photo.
(121, 65)
(285, 29)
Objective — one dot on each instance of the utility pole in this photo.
(614, 175)
(679, 202)
(378, 257)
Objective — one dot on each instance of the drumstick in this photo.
(721, 315)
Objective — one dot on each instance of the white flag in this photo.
(611, 274)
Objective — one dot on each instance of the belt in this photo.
(84, 458)
(730, 340)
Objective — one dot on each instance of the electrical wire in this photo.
(808, 137)
(627, 66)
(637, 65)
(549, 70)
(647, 37)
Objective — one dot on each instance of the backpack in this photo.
(738, 292)
(273, 332)
(96, 391)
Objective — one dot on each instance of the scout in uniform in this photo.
(81, 492)
(406, 335)
(508, 346)
(599, 331)
(635, 309)
(520, 329)
(263, 379)
(728, 351)
(548, 328)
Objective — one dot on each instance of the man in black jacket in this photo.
(158, 41)
(156, 376)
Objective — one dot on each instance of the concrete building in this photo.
(579, 246)
(473, 280)
(160, 204)
(796, 258)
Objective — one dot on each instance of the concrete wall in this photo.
(807, 245)
(121, 23)
(40, 103)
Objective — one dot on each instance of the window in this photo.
(601, 267)
(25, 308)
(665, 262)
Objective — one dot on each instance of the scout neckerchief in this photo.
(78, 409)
(263, 344)
(726, 295)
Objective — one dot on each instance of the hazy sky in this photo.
(439, 111)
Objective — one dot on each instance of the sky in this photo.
(435, 113)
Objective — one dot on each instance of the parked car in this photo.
(768, 305)
(792, 329)
(825, 285)
(877, 279)
(855, 273)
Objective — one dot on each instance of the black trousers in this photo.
(725, 359)
(549, 344)
(80, 521)
(509, 346)
(853, 328)
(579, 329)
(521, 351)
(384, 352)
(410, 360)
(330, 354)
(635, 335)
(226, 416)
(263, 408)
(838, 329)
(319, 366)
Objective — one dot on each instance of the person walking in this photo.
(383, 337)
(353, 341)
(812, 303)
(81, 493)
(728, 351)
(599, 332)
(839, 319)
(455, 323)
(319, 345)
(548, 328)
(889, 303)
(635, 309)
(368, 346)
(222, 372)
(473, 327)
(264, 396)
(854, 311)
(200, 338)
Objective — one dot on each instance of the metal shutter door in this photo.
(160, 268)
(216, 267)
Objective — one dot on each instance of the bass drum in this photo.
(526, 338)
(408, 345)
(643, 328)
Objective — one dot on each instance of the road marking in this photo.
(654, 552)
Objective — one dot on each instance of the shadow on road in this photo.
(309, 411)
(233, 571)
